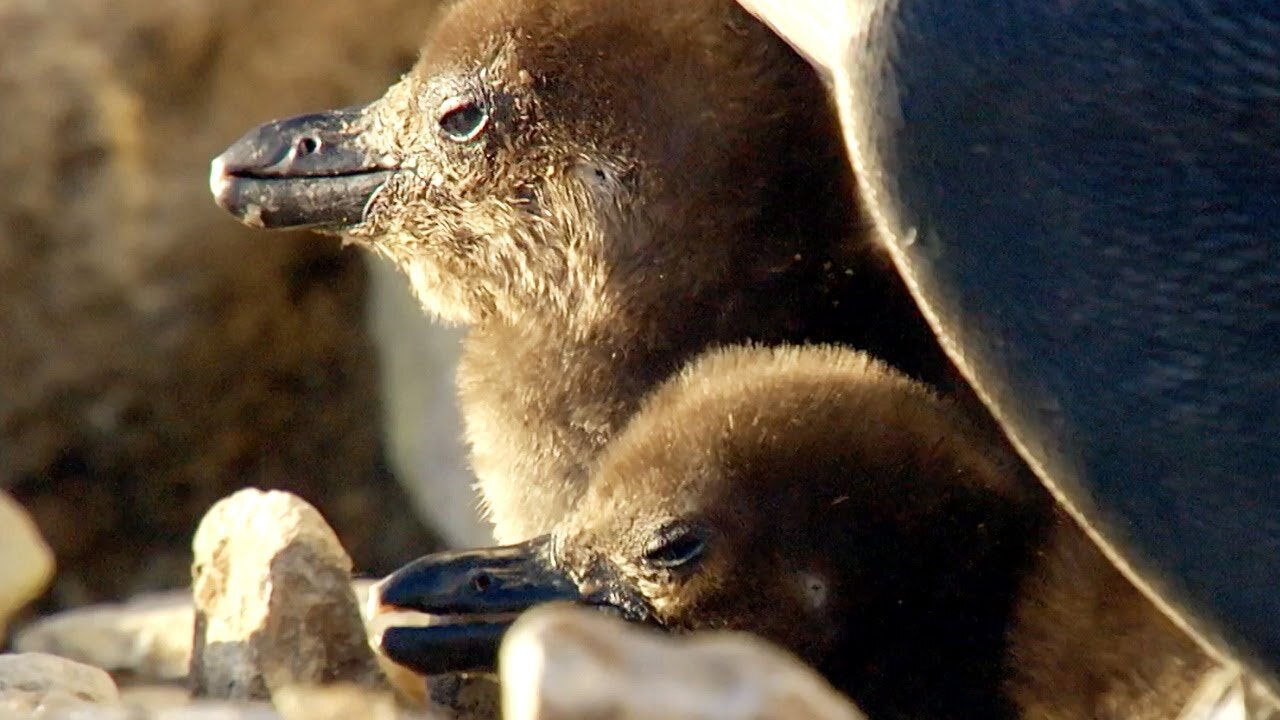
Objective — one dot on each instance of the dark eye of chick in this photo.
(676, 546)
(463, 120)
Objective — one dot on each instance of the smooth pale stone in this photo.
(26, 563)
(148, 636)
(35, 684)
(570, 663)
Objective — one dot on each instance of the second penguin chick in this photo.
(822, 500)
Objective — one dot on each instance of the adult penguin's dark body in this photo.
(1083, 196)
(601, 190)
(829, 504)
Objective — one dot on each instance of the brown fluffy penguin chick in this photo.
(601, 190)
(822, 500)
(829, 504)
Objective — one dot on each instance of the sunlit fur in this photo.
(655, 178)
(951, 585)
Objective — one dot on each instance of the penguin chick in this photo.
(601, 191)
(819, 499)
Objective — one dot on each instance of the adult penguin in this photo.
(1082, 197)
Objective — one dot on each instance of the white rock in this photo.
(569, 663)
(26, 563)
(149, 636)
(38, 685)
(274, 603)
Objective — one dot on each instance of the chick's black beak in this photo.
(306, 171)
(472, 597)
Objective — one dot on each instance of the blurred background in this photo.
(154, 354)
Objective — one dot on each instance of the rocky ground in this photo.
(272, 628)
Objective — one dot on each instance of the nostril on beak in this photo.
(306, 145)
(481, 581)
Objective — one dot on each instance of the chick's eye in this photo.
(676, 547)
(462, 120)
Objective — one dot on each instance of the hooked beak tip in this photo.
(309, 171)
